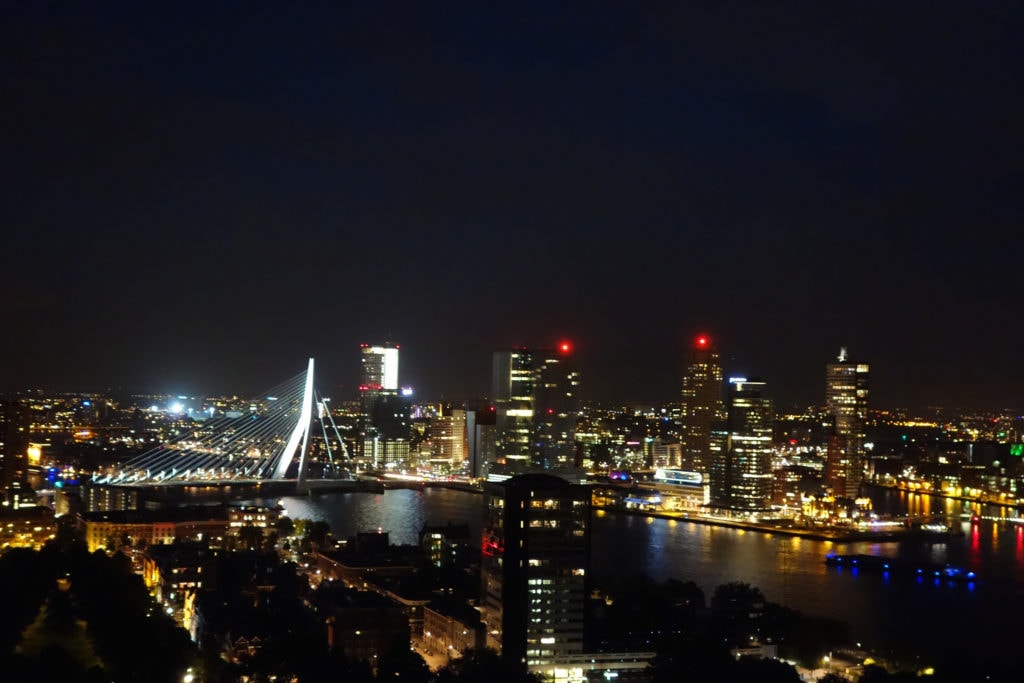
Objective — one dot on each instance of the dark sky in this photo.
(198, 196)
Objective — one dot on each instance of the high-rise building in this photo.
(448, 444)
(512, 389)
(534, 569)
(701, 404)
(536, 395)
(481, 439)
(741, 474)
(385, 426)
(846, 407)
(556, 408)
(14, 443)
(379, 367)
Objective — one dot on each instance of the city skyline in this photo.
(351, 388)
(198, 199)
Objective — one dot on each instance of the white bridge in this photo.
(270, 442)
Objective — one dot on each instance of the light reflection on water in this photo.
(788, 570)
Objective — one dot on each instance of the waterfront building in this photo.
(385, 426)
(741, 474)
(448, 439)
(701, 404)
(110, 530)
(556, 408)
(512, 389)
(14, 441)
(536, 394)
(535, 569)
(846, 405)
(481, 439)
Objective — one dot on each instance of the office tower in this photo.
(701, 404)
(846, 407)
(556, 408)
(536, 395)
(482, 439)
(379, 367)
(385, 427)
(741, 474)
(14, 435)
(535, 568)
(512, 386)
(448, 438)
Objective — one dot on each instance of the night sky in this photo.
(199, 196)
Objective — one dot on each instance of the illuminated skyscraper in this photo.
(513, 383)
(448, 442)
(846, 405)
(379, 368)
(741, 474)
(537, 399)
(385, 435)
(701, 404)
(534, 568)
(556, 408)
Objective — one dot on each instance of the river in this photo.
(934, 619)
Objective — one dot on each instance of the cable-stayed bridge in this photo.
(270, 442)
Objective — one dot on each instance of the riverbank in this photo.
(812, 533)
(816, 533)
(992, 500)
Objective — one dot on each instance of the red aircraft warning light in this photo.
(702, 342)
(565, 347)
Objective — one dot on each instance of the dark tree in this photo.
(483, 666)
(833, 678)
(759, 670)
(285, 526)
(400, 663)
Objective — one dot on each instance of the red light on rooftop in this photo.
(565, 347)
(702, 342)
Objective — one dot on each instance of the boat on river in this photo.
(899, 567)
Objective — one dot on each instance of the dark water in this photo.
(932, 618)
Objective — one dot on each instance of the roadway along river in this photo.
(933, 619)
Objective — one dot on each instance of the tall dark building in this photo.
(701, 404)
(741, 474)
(536, 395)
(556, 408)
(14, 425)
(846, 407)
(535, 568)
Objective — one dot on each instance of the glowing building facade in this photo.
(385, 433)
(512, 388)
(846, 406)
(701, 404)
(536, 395)
(741, 474)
